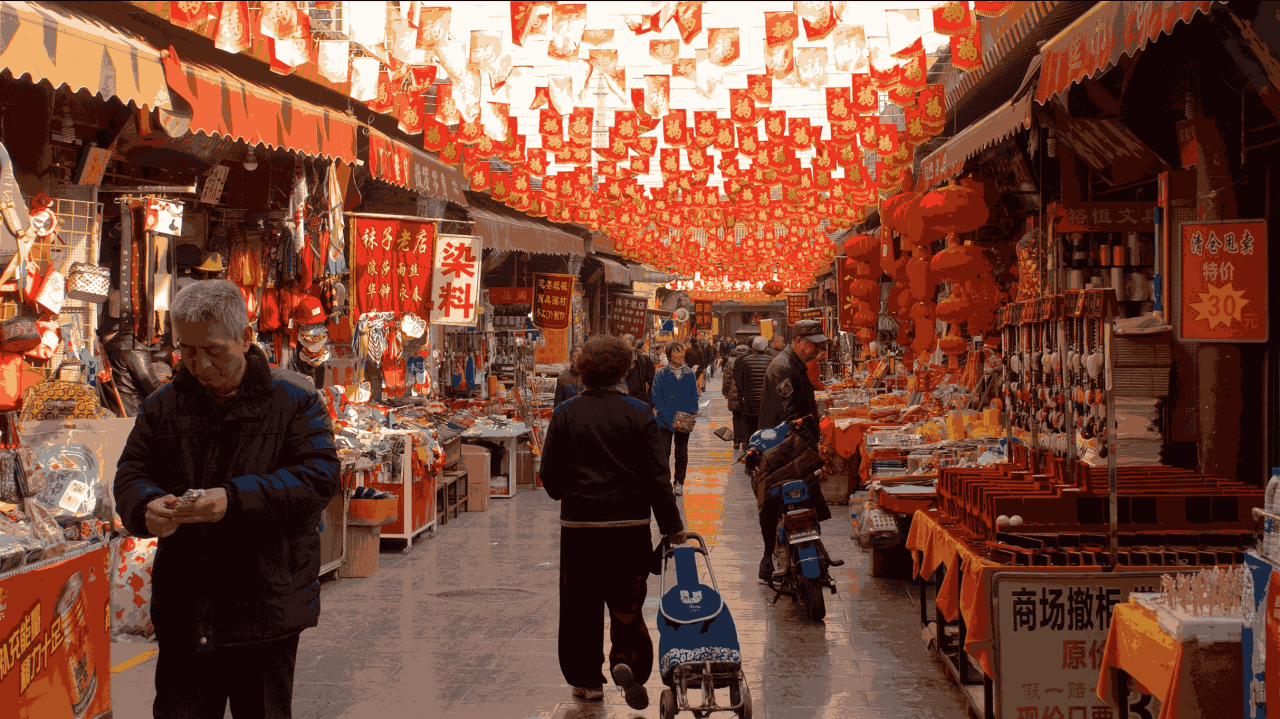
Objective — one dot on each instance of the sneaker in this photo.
(679, 489)
(637, 696)
(591, 694)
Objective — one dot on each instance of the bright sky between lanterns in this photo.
(633, 54)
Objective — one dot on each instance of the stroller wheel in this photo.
(667, 704)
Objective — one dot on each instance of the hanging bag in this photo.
(53, 288)
(19, 334)
(88, 282)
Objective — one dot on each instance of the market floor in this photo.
(391, 646)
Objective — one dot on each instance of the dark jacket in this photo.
(640, 377)
(131, 371)
(568, 386)
(788, 395)
(748, 377)
(728, 386)
(253, 575)
(603, 459)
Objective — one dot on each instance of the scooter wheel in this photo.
(667, 704)
(809, 592)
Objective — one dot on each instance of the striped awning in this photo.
(225, 105)
(616, 273)
(502, 231)
(64, 47)
(948, 160)
(999, 36)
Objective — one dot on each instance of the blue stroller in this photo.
(697, 640)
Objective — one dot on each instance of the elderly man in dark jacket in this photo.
(733, 394)
(235, 579)
(604, 460)
(748, 377)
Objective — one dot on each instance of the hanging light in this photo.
(68, 126)
(251, 162)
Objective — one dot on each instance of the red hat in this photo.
(308, 311)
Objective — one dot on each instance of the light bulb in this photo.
(251, 162)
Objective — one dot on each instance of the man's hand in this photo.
(677, 539)
(209, 508)
(160, 520)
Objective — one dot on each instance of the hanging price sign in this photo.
(1224, 281)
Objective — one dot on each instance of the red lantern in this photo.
(888, 212)
(960, 264)
(918, 232)
(862, 248)
(920, 278)
(865, 317)
(773, 289)
(955, 309)
(954, 208)
(866, 290)
(894, 267)
(922, 312)
(953, 344)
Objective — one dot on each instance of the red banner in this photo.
(1224, 281)
(846, 303)
(702, 314)
(392, 270)
(511, 295)
(55, 639)
(552, 301)
(795, 303)
(627, 314)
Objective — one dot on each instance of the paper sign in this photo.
(1224, 281)
(552, 301)
(456, 280)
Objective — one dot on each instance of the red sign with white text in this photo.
(392, 271)
(1224, 281)
(795, 303)
(552, 301)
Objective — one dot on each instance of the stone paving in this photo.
(389, 647)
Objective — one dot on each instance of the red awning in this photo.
(398, 164)
(1094, 43)
(948, 160)
(225, 105)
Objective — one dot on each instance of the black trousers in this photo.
(740, 433)
(681, 442)
(604, 567)
(257, 679)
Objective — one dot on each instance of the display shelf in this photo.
(407, 478)
(451, 493)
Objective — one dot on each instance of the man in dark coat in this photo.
(748, 378)
(235, 579)
(640, 376)
(732, 393)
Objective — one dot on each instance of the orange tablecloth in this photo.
(931, 546)
(1192, 680)
(844, 441)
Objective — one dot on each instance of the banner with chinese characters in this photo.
(795, 303)
(456, 280)
(55, 638)
(1050, 641)
(627, 314)
(846, 303)
(392, 271)
(1103, 216)
(552, 301)
(1224, 281)
(702, 314)
(511, 295)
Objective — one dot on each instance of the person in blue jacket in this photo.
(675, 389)
(569, 383)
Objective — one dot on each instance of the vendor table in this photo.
(401, 473)
(1191, 680)
(508, 438)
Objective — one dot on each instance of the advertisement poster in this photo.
(627, 314)
(456, 279)
(552, 301)
(392, 271)
(55, 641)
(556, 350)
(846, 303)
(1051, 638)
(795, 303)
(1224, 281)
(702, 314)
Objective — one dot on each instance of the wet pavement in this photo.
(393, 646)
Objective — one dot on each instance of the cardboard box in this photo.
(522, 465)
(476, 460)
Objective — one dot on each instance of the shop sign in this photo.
(552, 301)
(795, 303)
(1224, 281)
(627, 314)
(211, 188)
(401, 165)
(392, 270)
(846, 304)
(1051, 638)
(1103, 216)
(702, 314)
(456, 279)
(55, 638)
(511, 295)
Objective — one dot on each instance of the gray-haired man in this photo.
(235, 579)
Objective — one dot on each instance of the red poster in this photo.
(702, 314)
(846, 303)
(552, 301)
(392, 271)
(627, 314)
(55, 639)
(1224, 281)
(795, 303)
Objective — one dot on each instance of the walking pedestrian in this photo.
(640, 376)
(749, 379)
(569, 383)
(675, 389)
(733, 394)
(604, 461)
(236, 576)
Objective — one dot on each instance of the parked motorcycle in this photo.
(784, 474)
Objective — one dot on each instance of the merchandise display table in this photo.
(1187, 677)
(506, 436)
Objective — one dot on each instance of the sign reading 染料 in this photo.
(1224, 281)
(456, 279)
(392, 271)
(552, 301)
(795, 303)
(627, 314)
(1051, 639)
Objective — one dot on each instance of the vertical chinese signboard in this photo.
(392, 271)
(1050, 640)
(795, 303)
(846, 303)
(1224, 281)
(552, 313)
(456, 279)
(55, 630)
(702, 314)
(627, 314)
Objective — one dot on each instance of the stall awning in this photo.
(949, 159)
(615, 273)
(394, 162)
(66, 47)
(502, 231)
(999, 36)
(225, 105)
(1096, 41)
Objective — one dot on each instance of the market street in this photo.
(389, 646)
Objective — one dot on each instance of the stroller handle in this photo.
(667, 553)
(666, 546)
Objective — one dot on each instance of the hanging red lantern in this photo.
(960, 264)
(866, 290)
(888, 212)
(773, 289)
(955, 308)
(897, 299)
(954, 209)
(905, 330)
(865, 316)
(920, 278)
(918, 232)
(862, 248)
(922, 312)
(953, 344)
(895, 267)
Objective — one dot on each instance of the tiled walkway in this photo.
(388, 647)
